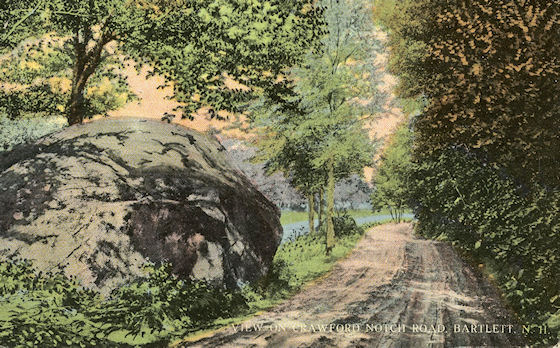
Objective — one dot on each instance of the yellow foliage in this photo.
(60, 84)
(105, 86)
(477, 69)
(31, 65)
(122, 98)
(350, 62)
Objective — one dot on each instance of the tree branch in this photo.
(93, 57)
(29, 14)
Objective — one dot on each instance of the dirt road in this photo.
(394, 290)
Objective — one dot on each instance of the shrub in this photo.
(345, 225)
(482, 209)
(50, 309)
(304, 259)
(23, 130)
(46, 309)
(162, 303)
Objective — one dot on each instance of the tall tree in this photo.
(196, 44)
(283, 151)
(323, 117)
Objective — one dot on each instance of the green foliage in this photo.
(303, 259)
(201, 42)
(50, 309)
(483, 210)
(38, 100)
(26, 129)
(314, 131)
(392, 179)
(162, 303)
(46, 309)
(319, 117)
(485, 166)
(195, 44)
(345, 225)
(38, 77)
(18, 24)
(490, 73)
(554, 321)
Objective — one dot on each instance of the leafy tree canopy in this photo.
(36, 79)
(490, 71)
(320, 116)
(315, 130)
(195, 44)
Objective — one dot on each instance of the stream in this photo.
(296, 229)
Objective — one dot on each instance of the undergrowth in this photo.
(51, 310)
(26, 129)
(511, 228)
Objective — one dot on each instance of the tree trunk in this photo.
(330, 207)
(75, 112)
(311, 208)
(85, 64)
(321, 207)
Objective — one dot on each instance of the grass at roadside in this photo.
(297, 263)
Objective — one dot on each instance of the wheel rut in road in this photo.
(393, 290)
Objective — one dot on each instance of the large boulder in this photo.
(101, 199)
